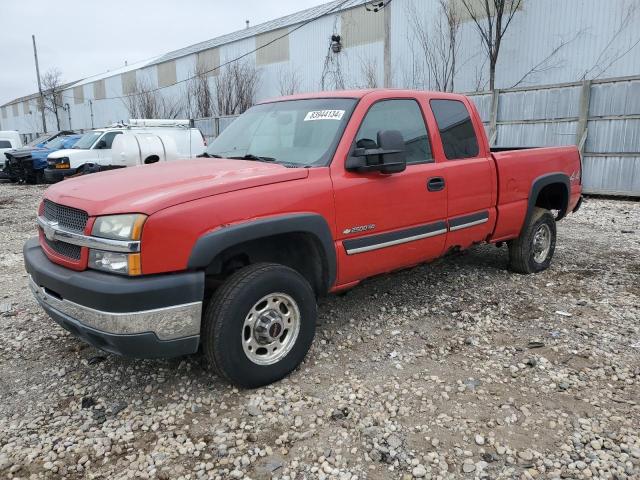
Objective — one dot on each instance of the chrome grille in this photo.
(65, 249)
(68, 217)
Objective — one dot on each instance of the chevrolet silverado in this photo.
(299, 197)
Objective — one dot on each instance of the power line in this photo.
(229, 62)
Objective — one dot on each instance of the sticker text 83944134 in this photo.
(324, 115)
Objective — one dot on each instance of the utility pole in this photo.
(35, 54)
(68, 109)
(91, 108)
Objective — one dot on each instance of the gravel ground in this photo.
(457, 369)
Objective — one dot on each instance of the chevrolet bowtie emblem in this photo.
(49, 230)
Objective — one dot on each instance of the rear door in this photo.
(469, 171)
(385, 222)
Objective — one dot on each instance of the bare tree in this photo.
(235, 88)
(609, 54)
(369, 73)
(33, 119)
(492, 19)
(479, 81)
(200, 95)
(332, 77)
(438, 44)
(549, 62)
(52, 92)
(146, 102)
(413, 75)
(288, 81)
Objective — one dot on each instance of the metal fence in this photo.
(212, 126)
(601, 117)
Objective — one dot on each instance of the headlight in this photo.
(112, 262)
(119, 227)
(62, 162)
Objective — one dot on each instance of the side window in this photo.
(108, 139)
(5, 144)
(456, 129)
(402, 115)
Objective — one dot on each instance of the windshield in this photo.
(299, 133)
(38, 140)
(56, 143)
(87, 140)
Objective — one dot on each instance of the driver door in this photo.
(105, 153)
(389, 221)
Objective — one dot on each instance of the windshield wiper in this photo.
(208, 155)
(251, 156)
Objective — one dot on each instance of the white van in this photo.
(93, 152)
(9, 139)
(143, 149)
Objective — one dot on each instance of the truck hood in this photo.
(149, 188)
(25, 152)
(67, 152)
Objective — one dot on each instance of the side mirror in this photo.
(101, 144)
(387, 156)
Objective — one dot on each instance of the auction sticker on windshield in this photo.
(324, 115)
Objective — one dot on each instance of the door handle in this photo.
(435, 184)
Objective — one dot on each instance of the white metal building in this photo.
(380, 47)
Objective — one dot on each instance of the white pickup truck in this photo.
(158, 140)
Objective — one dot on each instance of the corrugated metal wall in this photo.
(602, 117)
(212, 126)
(383, 45)
(612, 149)
(597, 43)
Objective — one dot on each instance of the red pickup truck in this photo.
(300, 196)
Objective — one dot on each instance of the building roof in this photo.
(278, 23)
(117, 71)
(282, 22)
(33, 96)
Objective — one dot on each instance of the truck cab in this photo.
(301, 196)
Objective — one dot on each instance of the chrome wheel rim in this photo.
(270, 329)
(541, 243)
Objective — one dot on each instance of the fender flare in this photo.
(210, 245)
(537, 186)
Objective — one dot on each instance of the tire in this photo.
(238, 326)
(39, 177)
(526, 253)
(35, 178)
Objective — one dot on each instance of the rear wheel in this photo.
(533, 250)
(259, 325)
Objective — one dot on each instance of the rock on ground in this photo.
(457, 369)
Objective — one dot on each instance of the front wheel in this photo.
(533, 250)
(259, 324)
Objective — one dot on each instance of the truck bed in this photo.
(518, 169)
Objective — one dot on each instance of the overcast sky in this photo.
(87, 37)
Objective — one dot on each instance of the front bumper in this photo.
(10, 168)
(144, 317)
(52, 175)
